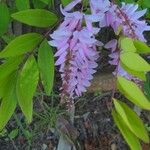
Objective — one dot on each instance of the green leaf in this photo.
(65, 2)
(36, 17)
(127, 45)
(144, 3)
(46, 66)
(129, 1)
(141, 47)
(6, 69)
(147, 86)
(21, 45)
(132, 92)
(134, 62)
(147, 90)
(9, 66)
(140, 75)
(26, 86)
(22, 4)
(3, 88)
(131, 139)
(13, 134)
(27, 134)
(45, 1)
(9, 101)
(139, 2)
(132, 120)
(38, 4)
(4, 18)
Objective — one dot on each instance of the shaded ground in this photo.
(97, 130)
(93, 121)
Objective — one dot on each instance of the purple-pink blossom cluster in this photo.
(77, 46)
(127, 18)
(77, 55)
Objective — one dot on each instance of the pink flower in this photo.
(127, 17)
(132, 25)
(76, 51)
(83, 63)
(100, 7)
(76, 42)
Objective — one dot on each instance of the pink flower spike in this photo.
(76, 50)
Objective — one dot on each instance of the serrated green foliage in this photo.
(4, 18)
(9, 66)
(26, 87)
(132, 92)
(46, 66)
(36, 17)
(134, 62)
(22, 4)
(127, 45)
(9, 101)
(131, 139)
(65, 2)
(141, 47)
(21, 45)
(132, 120)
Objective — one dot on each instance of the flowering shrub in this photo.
(76, 42)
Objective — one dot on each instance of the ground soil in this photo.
(93, 123)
